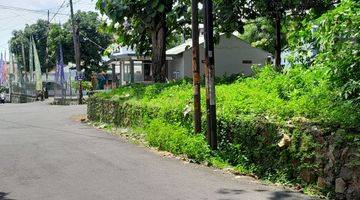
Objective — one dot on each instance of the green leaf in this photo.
(161, 8)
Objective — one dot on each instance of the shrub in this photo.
(177, 140)
(253, 114)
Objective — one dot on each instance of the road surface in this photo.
(45, 154)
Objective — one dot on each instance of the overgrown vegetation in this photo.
(253, 116)
(274, 125)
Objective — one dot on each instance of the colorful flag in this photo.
(11, 66)
(38, 77)
(5, 70)
(1, 69)
(59, 74)
(31, 61)
(11, 69)
(17, 70)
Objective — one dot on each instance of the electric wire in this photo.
(5, 7)
(57, 12)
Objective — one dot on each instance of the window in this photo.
(247, 61)
(176, 75)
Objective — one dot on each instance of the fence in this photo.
(23, 92)
(64, 93)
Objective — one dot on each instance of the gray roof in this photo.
(183, 47)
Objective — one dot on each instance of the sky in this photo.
(16, 18)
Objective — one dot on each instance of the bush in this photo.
(253, 115)
(335, 39)
(176, 139)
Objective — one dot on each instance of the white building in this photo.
(232, 56)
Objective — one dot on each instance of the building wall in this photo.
(229, 57)
(176, 67)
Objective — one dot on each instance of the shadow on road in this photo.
(274, 195)
(230, 191)
(3, 196)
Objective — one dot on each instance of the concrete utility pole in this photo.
(132, 74)
(210, 74)
(47, 46)
(77, 51)
(196, 65)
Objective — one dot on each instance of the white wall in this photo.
(176, 65)
(229, 57)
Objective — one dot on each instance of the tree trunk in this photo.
(278, 66)
(158, 37)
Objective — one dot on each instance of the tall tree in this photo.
(145, 26)
(93, 41)
(275, 11)
(335, 39)
(39, 32)
(260, 33)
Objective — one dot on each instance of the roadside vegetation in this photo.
(291, 127)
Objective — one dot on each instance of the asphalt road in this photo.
(46, 154)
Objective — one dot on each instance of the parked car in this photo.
(2, 97)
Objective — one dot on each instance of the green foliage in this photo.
(335, 38)
(93, 41)
(176, 139)
(19, 37)
(2, 89)
(86, 85)
(260, 34)
(134, 26)
(89, 34)
(253, 114)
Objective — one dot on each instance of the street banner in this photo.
(60, 75)
(1, 69)
(17, 71)
(31, 61)
(38, 77)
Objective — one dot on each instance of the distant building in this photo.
(232, 56)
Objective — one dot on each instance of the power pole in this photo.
(132, 75)
(210, 74)
(113, 76)
(196, 65)
(47, 46)
(75, 30)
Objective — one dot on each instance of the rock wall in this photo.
(310, 153)
(338, 158)
(341, 165)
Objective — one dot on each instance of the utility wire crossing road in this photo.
(46, 155)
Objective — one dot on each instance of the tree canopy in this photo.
(22, 37)
(146, 26)
(275, 11)
(335, 39)
(92, 41)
